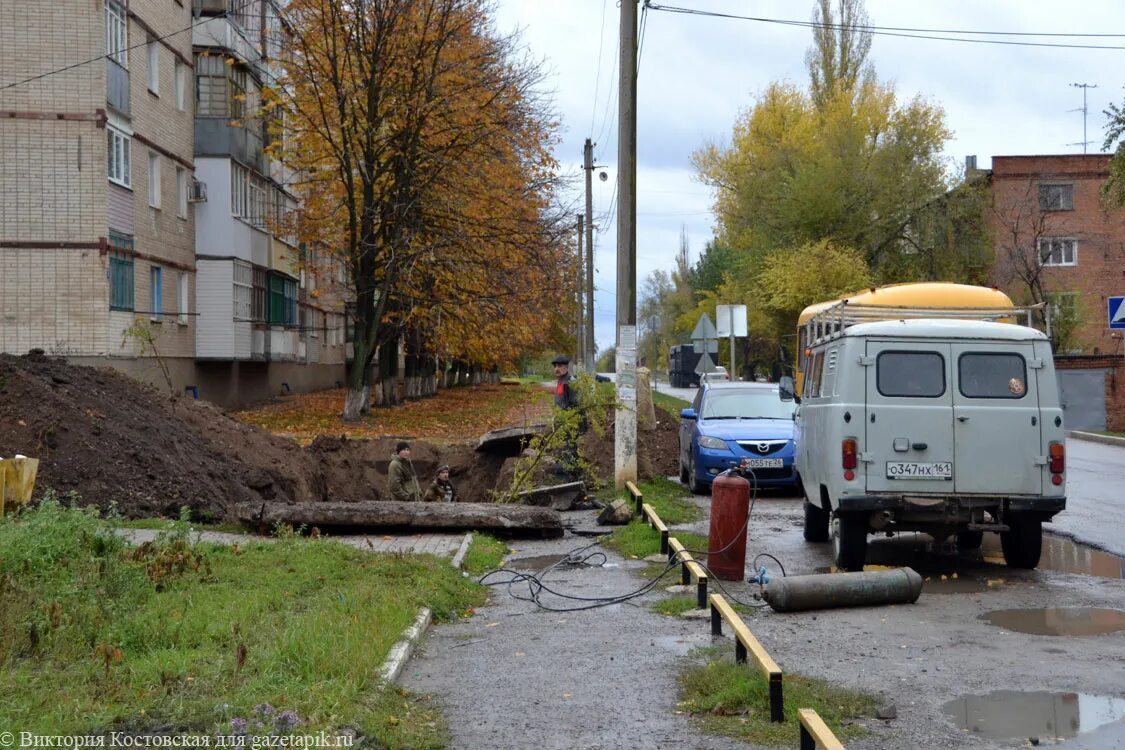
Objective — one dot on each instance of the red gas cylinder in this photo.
(730, 502)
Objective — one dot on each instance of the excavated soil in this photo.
(117, 442)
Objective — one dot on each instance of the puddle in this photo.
(683, 644)
(540, 562)
(1058, 620)
(1064, 556)
(1007, 714)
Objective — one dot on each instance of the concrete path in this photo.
(442, 545)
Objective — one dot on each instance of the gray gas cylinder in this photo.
(866, 589)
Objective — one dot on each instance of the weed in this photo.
(485, 553)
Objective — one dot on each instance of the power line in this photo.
(896, 31)
(598, 75)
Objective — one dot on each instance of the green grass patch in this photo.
(668, 499)
(485, 553)
(674, 606)
(1110, 433)
(732, 700)
(95, 635)
(669, 403)
(638, 540)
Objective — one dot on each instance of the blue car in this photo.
(728, 422)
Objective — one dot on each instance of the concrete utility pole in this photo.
(579, 328)
(588, 165)
(625, 442)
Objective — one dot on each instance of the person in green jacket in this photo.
(402, 481)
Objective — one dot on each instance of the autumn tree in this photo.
(423, 150)
(837, 59)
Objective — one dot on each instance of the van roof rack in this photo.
(830, 322)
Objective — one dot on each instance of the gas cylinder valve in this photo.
(762, 577)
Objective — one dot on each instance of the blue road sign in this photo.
(1117, 312)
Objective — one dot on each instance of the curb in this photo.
(464, 548)
(1093, 437)
(401, 651)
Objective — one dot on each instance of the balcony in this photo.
(215, 137)
(223, 32)
(117, 87)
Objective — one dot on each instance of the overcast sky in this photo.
(697, 73)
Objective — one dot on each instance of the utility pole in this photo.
(588, 165)
(1083, 86)
(579, 328)
(625, 422)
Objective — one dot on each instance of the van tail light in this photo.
(848, 457)
(1057, 455)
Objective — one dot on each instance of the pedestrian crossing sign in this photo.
(1117, 312)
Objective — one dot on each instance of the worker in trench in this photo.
(441, 490)
(569, 422)
(402, 480)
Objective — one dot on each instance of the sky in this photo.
(698, 73)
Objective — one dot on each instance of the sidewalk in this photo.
(442, 545)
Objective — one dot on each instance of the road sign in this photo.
(710, 346)
(731, 320)
(704, 329)
(1117, 312)
(706, 364)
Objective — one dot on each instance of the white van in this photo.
(939, 425)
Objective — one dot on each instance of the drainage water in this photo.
(1058, 620)
(1007, 714)
(540, 562)
(1065, 556)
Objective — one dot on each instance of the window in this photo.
(815, 366)
(156, 289)
(991, 375)
(745, 403)
(153, 65)
(181, 85)
(282, 300)
(120, 272)
(1055, 251)
(154, 179)
(249, 195)
(181, 192)
(239, 185)
(243, 275)
(183, 297)
(118, 146)
(259, 307)
(1056, 197)
(910, 374)
(210, 86)
(116, 33)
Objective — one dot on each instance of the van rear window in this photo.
(991, 375)
(910, 374)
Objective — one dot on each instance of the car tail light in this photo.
(848, 458)
(1057, 454)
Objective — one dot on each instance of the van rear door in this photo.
(996, 418)
(909, 417)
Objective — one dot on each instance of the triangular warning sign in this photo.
(706, 364)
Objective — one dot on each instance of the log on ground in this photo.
(508, 519)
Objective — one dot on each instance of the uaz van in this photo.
(940, 425)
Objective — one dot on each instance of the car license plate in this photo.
(916, 470)
(766, 463)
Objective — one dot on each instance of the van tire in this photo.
(850, 542)
(969, 540)
(1023, 542)
(816, 523)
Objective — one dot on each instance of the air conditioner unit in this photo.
(198, 192)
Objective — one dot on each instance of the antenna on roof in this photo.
(1083, 143)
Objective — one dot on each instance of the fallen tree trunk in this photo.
(511, 519)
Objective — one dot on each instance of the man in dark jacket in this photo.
(567, 400)
(441, 490)
(402, 481)
(564, 394)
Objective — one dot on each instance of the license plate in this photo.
(916, 470)
(766, 463)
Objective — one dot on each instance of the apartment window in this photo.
(182, 297)
(118, 146)
(181, 73)
(211, 86)
(181, 192)
(260, 299)
(1056, 197)
(154, 179)
(156, 289)
(238, 87)
(120, 272)
(243, 275)
(116, 33)
(153, 65)
(1054, 251)
(282, 300)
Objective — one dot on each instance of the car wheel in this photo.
(697, 487)
(816, 523)
(683, 473)
(969, 540)
(850, 542)
(1023, 542)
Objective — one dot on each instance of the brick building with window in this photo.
(1055, 242)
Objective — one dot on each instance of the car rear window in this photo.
(991, 375)
(910, 374)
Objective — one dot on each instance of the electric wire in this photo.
(598, 74)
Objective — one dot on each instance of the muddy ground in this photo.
(117, 442)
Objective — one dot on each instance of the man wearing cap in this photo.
(567, 400)
(441, 489)
(564, 395)
(402, 481)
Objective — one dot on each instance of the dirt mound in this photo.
(116, 441)
(657, 450)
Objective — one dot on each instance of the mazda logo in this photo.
(763, 447)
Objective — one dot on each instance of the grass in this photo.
(1111, 433)
(485, 553)
(637, 540)
(95, 636)
(168, 524)
(668, 500)
(669, 403)
(674, 606)
(732, 700)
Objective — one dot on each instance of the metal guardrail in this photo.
(815, 733)
(745, 643)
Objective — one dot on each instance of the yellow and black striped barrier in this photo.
(745, 642)
(690, 570)
(638, 497)
(815, 733)
(655, 522)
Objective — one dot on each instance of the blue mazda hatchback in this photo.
(728, 422)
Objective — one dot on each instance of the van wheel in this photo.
(1023, 542)
(816, 523)
(850, 542)
(968, 540)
